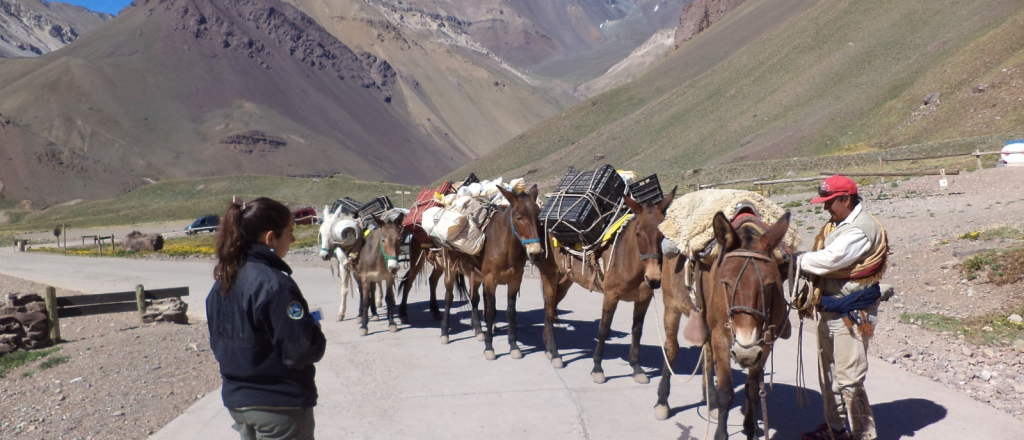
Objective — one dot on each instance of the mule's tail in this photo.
(460, 287)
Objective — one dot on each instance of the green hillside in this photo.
(790, 78)
(188, 199)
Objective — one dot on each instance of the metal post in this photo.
(52, 320)
(977, 155)
(140, 299)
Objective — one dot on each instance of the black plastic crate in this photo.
(348, 206)
(374, 207)
(605, 184)
(470, 180)
(574, 211)
(569, 176)
(646, 190)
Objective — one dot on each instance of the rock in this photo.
(968, 352)
(1016, 319)
(1018, 345)
(931, 98)
(167, 310)
(139, 242)
(980, 88)
(989, 353)
(985, 375)
(949, 264)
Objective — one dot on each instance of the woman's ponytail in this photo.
(240, 227)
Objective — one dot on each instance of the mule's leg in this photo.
(435, 275)
(510, 312)
(490, 314)
(672, 315)
(389, 297)
(365, 303)
(611, 302)
(449, 295)
(708, 384)
(474, 318)
(723, 372)
(552, 296)
(639, 312)
(755, 376)
(345, 285)
(378, 299)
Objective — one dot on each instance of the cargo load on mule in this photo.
(374, 207)
(349, 207)
(428, 198)
(457, 221)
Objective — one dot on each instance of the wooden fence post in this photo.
(977, 155)
(52, 320)
(140, 299)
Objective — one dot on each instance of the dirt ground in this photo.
(125, 381)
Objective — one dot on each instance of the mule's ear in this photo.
(534, 192)
(725, 235)
(377, 220)
(633, 205)
(327, 212)
(776, 233)
(664, 203)
(398, 220)
(508, 195)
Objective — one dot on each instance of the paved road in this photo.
(408, 385)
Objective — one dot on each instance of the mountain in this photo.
(791, 78)
(181, 88)
(31, 28)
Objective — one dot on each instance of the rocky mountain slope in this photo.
(178, 88)
(31, 28)
(793, 78)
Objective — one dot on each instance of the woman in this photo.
(261, 331)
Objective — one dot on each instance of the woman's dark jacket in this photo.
(263, 336)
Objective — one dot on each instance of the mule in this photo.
(419, 256)
(630, 270)
(743, 305)
(338, 238)
(512, 237)
(378, 263)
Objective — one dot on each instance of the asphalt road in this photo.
(407, 385)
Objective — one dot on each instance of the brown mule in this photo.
(512, 238)
(633, 264)
(378, 262)
(744, 308)
(418, 259)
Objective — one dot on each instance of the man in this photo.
(848, 259)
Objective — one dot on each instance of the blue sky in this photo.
(109, 6)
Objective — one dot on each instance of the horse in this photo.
(378, 262)
(634, 260)
(511, 238)
(339, 236)
(744, 307)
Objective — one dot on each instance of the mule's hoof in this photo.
(489, 355)
(444, 340)
(641, 378)
(364, 332)
(375, 317)
(661, 412)
(516, 354)
(394, 329)
(403, 321)
(557, 363)
(480, 336)
(548, 354)
(598, 377)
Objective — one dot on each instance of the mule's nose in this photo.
(392, 266)
(746, 357)
(652, 283)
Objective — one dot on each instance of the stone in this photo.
(985, 375)
(1018, 345)
(167, 310)
(1016, 319)
(980, 88)
(948, 264)
(931, 98)
(968, 352)
(989, 353)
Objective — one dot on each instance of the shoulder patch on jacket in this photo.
(295, 310)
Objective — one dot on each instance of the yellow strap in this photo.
(366, 232)
(610, 234)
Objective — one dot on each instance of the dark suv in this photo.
(206, 223)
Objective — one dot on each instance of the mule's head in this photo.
(391, 235)
(524, 219)
(325, 231)
(648, 236)
(752, 284)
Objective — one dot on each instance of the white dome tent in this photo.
(1013, 153)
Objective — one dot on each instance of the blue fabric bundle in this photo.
(851, 303)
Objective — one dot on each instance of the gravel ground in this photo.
(125, 381)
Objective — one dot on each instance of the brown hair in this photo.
(240, 228)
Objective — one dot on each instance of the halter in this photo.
(380, 242)
(734, 309)
(512, 225)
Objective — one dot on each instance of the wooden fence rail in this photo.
(102, 303)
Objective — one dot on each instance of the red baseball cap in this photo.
(833, 187)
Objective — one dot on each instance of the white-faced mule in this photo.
(341, 238)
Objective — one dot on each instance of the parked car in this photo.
(206, 223)
(305, 216)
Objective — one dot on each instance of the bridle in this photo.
(512, 225)
(380, 243)
(766, 329)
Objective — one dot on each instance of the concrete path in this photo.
(407, 385)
